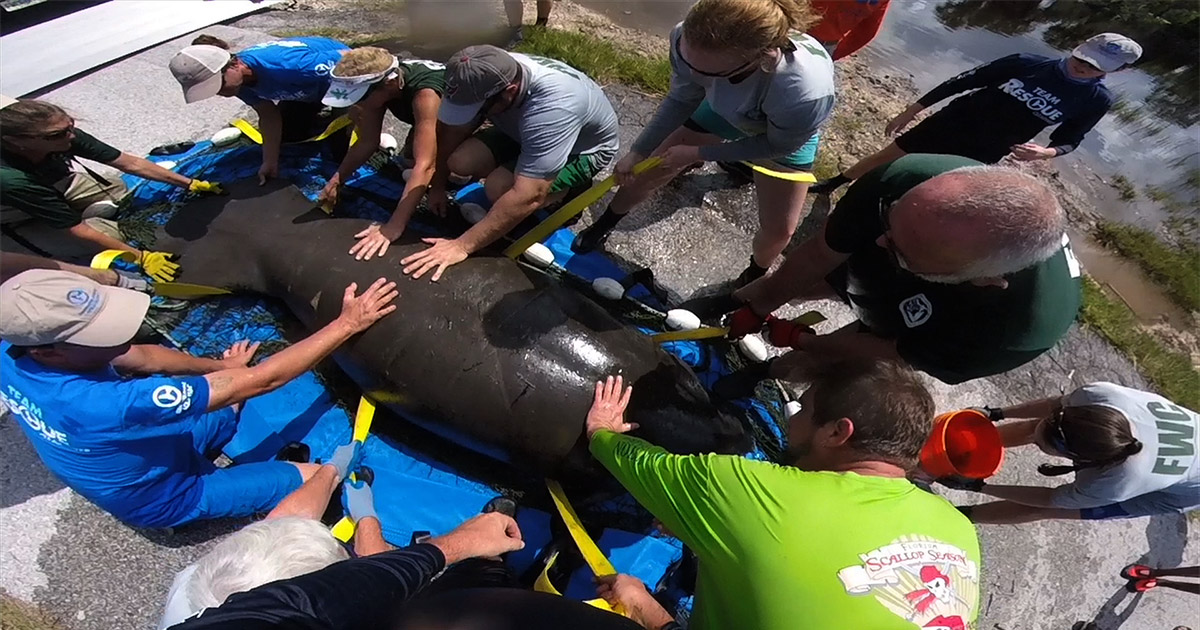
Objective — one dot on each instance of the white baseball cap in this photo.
(199, 70)
(45, 306)
(346, 91)
(1108, 51)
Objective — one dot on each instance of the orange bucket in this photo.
(963, 443)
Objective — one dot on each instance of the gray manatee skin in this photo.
(495, 356)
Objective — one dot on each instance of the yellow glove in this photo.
(159, 265)
(202, 187)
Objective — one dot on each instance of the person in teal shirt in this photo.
(836, 538)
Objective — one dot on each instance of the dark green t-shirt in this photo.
(29, 190)
(418, 75)
(954, 332)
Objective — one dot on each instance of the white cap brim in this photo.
(457, 115)
(343, 93)
(118, 321)
(207, 88)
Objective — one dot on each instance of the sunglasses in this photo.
(58, 134)
(737, 73)
(885, 216)
(1055, 435)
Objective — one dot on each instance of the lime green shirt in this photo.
(785, 549)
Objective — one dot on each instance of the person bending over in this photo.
(1010, 101)
(53, 205)
(1133, 454)
(958, 269)
(799, 545)
(135, 428)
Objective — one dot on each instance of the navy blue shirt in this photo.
(127, 444)
(1019, 95)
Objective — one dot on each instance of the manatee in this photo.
(495, 356)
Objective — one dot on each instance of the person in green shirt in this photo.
(835, 538)
(371, 82)
(52, 205)
(959, 269)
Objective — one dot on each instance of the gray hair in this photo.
(263, 552)
(1022, 219)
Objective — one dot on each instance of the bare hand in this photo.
(1031, 151)
(442, 253)
(373, 241)
(329, 194)
(629, 594)
(436, 199)
(482, 536)
(239, 354)
(360, 311)
(267, 171)
(897, 124)
(623, 171)
(608, 407)
(680, 157)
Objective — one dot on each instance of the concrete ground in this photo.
(70, 558)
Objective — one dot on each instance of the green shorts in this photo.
(579, 171)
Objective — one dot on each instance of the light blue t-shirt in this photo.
(128, 445)
(295, 69)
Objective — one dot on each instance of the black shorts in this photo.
(955, 135)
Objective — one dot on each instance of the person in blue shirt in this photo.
(1010, 101)
(283, 80)
(132, 427)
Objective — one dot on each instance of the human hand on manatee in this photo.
(374, 241)
(442, 253)
(268, 170)
(608, 407)
(629, 594)
(360, 311)
(482, 536)
(160, 266)
(239, 354)
(329, 194)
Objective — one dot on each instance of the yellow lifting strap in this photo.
(569, 210)
(803, 178)
(179, 290)
(595, 559)
(252, 132)
(343, 530)
(810, 318)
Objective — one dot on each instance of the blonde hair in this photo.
(745, 24)
(365, 60)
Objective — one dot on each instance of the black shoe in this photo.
(297, 452)
(503, 505)
(739, 171)
(827, 186)
(750, 274)
(742, 383)
(365, 474)
(591, 238)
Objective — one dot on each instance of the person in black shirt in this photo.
(1011, 100)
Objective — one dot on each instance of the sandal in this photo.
(1136, 572)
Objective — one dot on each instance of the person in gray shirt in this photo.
(1133, 454)
(748, 87)
(552, 131)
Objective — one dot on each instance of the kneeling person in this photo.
(138, 447)
(553, 131)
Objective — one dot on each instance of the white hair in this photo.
(263, 552)
(1022, 220)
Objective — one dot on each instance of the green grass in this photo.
(604, 61)
(17, 615)
(1124, 187)
(1171, 372)
(1176, 269)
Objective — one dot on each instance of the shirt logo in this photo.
(927, 582)
(167, 396)
(78, 297)
(31, 415)
(916, 310)
(1040, 101)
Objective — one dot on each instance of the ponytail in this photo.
(746, 24)
(210, 40)
(1093, 436)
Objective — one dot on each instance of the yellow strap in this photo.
(704, 332)
(595, 558)
(569, 210)
(105, 259)
(803, 178)
(811, 318)
(252, 132)
(544, 585)
(343, 530)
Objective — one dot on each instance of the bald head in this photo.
(977, 222)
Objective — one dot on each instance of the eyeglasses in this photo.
(57, 134)
(737, 73)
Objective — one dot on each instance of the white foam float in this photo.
(539, 255)
(608, 288)
(682, 319)
(387, 142)
(792, 408)
(753, 348)
(226, 136)
(167, 164)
